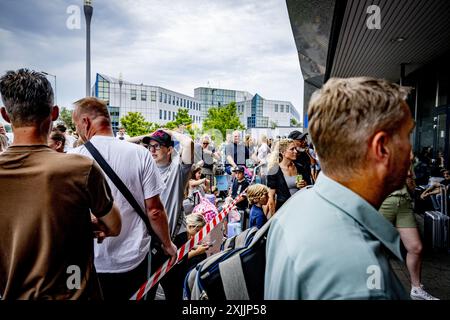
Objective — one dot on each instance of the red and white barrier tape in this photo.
(162, 271)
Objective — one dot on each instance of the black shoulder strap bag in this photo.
(156, 243)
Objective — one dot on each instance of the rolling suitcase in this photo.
(436, 230)
(437, 226)
(444, 200)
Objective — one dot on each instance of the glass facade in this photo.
(114, 112)
(256, 119)
(102, 88)
(213, 97)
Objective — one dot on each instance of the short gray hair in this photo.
(345, 113)
(195, 220)
(94, 108)
(27, 96)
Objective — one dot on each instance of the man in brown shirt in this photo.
(46, 199)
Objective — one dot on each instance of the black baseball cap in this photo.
(161, 137)
(239, 169)
(297, 135)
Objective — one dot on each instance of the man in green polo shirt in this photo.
(330, 242)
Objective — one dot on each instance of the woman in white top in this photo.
(263, 150)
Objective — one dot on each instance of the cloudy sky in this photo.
(178, 44)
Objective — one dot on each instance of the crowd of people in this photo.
(327, 227)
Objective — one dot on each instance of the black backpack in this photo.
(233, 274)
(243, 239)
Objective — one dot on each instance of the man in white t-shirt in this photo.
(122, 134)
(122, 262)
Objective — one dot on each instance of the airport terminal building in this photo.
(157, 104)
(160, 105)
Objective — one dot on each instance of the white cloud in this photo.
(177, 44)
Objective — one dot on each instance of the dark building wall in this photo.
(432, 93)
(308, 90)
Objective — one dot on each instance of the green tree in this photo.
(135, 124)
(273, 124)
(154, 126)
(181, 119)
(294, 123)
(65, 116)
(223, 119)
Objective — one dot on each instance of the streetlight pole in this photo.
(54, 76)
(88, 10)
(120, 90)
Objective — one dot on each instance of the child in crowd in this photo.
(173, 282)
(258, 196)
(231, 224)
(194, 223)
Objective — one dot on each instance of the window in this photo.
(173, 115)
(143, 95)
(165, 97)
(153, 95)
(160, 97)
(287, 108)
(165, 115)
(276, 108)
(133, 94)
(170, 113)
(190, 105)
(281, 107)
(160, 114)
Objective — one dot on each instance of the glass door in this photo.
(442, 134)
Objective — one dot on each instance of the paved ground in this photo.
(435, 270)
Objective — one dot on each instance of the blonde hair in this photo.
(277, 155)
(205, 137)
(195, 220)
(256, 192)
(263, 138)
(346, 113)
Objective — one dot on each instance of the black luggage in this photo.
(437, 225)
(233, 274)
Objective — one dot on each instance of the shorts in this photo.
(398, 210)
